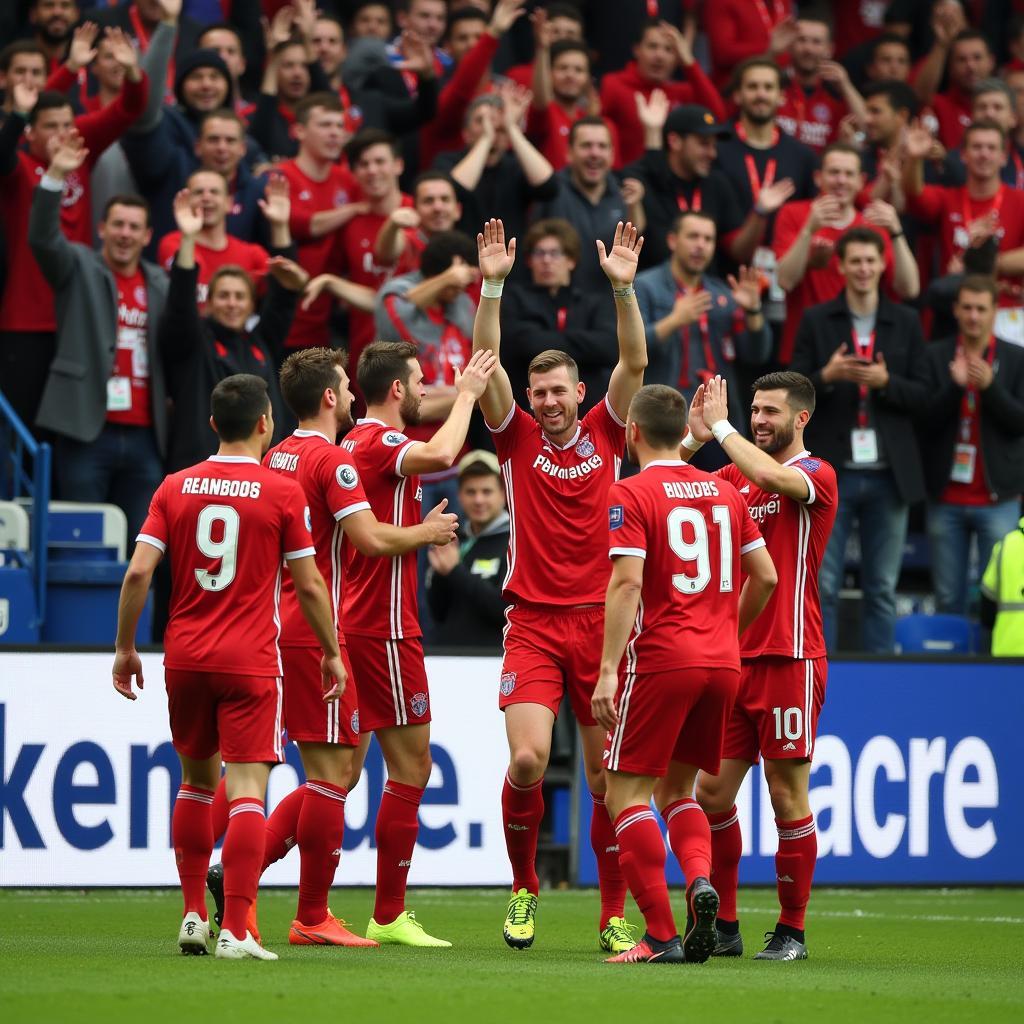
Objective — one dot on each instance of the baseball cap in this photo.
(489, 459)
(692, 119)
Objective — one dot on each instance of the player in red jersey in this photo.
(557, 470)
(678, 539)
(228, 523)
(379, 606)
(792, 496)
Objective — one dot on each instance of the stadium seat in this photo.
(936, 634)
(14, 527)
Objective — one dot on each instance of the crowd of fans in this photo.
(193, 188)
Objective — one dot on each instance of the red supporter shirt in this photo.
(691, 529)
(811, 118)
(738, 29)
(557, 503)
(952, 209)
(228, 522)
(380, 593)
(549, 127)
(817, 286)
(128, 399)
(309, 197)
(330, 482)
(857, 22)
(250, 257)
(953, 112)
(796, 534)
(974, 493)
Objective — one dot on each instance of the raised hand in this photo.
(476, 373)
(276, 204)
(695, 418)
(404, 217)
(122, 48)
(443, 526)
(541, 29)
(187, 215)
(417, 55)
(280, 29)
(314, 288)
(834, 72)
(653, 111)
(67, 153)
(782, 37)
(632, 191)
(83, 49)
(773, 196)
(881, 214)
(682, 43)
(171, 10)
(25, 97)
(305, 17)
(746, 290)
(515, 101)
(506, 14)
(495, 260)
(824, 210)
(620, 264)
(287, 273)
(917, 142)
(716, 401)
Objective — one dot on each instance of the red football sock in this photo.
(726, 850)
(610, 879)
(397, 828)
(522, 810)
(794, 868)
(219, 811)
(242, 856)
(320, 831)
(642, 856)
(282, 826)
(192, 837)
(690, 838)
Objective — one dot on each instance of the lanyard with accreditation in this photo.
(863, 439)
(965, 453)
(710, 366)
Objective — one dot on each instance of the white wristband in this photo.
(691, 444)
(722, 429)
(491, 289)
(624, 293)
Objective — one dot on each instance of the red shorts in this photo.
(238, 715)
(679, 715)
(551, 650)
(392, 681)
(307, 717)
(776, 712)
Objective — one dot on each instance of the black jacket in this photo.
(467, 603)
(899, 339)
(198, 353)
(1002, 420)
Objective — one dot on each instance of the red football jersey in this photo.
(128, 397)
(330, 481)
(796, 534)
(812, 119)
(690, 529)
(557, 505)
(380, 593)
(252, 258)
(227, 523)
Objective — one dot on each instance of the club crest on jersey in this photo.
(811, 465)
(616, 517)
(507, 683)
(393, 438)
(585, 448)
(418, 704)
(308, 519)
(354, 722)
(346, 477)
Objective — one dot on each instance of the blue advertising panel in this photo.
(916, 779)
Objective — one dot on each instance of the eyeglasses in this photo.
(547, 254)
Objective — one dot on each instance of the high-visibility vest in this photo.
(1003, 583)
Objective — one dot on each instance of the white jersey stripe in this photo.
(506, 472)
(808, 704)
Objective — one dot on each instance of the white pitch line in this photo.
(812, 912)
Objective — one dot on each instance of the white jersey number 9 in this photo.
(226, 549)
(697, 551)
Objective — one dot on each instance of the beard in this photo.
(52, 36)
(758, 118)
(409, 410)
(782, 439)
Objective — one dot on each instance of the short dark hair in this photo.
(646, 26)
(841, 147)
(678, 218)
(220, 26)
(979, 283)
(424, 176)
(221, 114)
(306, 374)
(554, 227)
(982, 126)
(551, 359)
(442, 249)
(660, 413)
(327, 100)
(564, 10)
(899, 95)
(463, 14)
(885, 39)
(17, 48)
(590, 121)
(476, 470)
(969, 35)
(799, 389)
(232, 270)
(236, 405)
(736, 79)
(568, 46)
(366, 139)
(126, 199)
(381, 364)
(859, 235)
(48, 99)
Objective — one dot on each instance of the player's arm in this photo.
(620, 605)
(757, 466)
(375, 539)
(620, 266)
(761, 580)
(496, 264)
(134, 590)
(316, 607)
(441, 451)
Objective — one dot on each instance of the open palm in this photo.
(495, 260)
(620, 264)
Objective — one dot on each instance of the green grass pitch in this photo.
(876, 955)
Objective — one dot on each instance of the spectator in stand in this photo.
(660, 51)
(551, 311)
(698, 325)
(21, 63)
(806, 234)
(500, 170)
(857, 25)
(226, 42)
(972, 434)
(427, 19)
(738, 30)
(865, 356)
(435, 208)
(612, 29)
(197, 351)
(819, 94)
(994, 101)
(889, 108)
(27, 319)
(53, 22)
(555, 23)
(371, 19)
(105, 398)
(286, 81)
(592, 198)
(888, 59)
(464, 582)
(681, 176)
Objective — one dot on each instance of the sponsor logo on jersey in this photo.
(585, 448)
(354, 721)
(418, 704)
(308, 519)
(811, 465)
(393, 438)
(545, 465)
(507, 683)
(616, 517)
(821, 112)
(346, 477)
(789, 746)
(759, 513)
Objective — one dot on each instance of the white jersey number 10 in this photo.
(697, 551)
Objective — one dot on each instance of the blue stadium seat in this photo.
(936, 634)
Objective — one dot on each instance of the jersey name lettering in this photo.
(697, 489)
(221, 488)
(286, 461)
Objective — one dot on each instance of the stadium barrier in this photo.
(913, 780)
